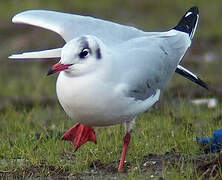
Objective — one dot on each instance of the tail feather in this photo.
(189, 22)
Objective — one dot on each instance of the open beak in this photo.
(189, 75)
(58, 67)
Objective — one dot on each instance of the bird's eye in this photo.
(84, 53)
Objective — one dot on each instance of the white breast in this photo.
(90, 101)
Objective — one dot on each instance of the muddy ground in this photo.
(205, 165)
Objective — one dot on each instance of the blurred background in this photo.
(23, 84)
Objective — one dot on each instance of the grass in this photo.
(32, 122)
(33, 138)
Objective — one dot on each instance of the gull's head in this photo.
(79, 56)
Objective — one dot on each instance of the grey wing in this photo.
(70, 26)
(151, 62)
(145, 79)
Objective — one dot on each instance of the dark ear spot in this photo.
(98, 53)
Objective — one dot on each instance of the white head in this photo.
(79, 56)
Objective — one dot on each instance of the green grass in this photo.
(157, 131)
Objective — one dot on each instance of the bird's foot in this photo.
(126, 141)
(79, 135)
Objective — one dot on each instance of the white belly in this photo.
(91, 102)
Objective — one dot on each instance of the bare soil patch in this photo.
(206, 165)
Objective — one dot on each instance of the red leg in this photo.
(126, 141)
(79, 135)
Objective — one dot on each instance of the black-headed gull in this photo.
(110, 73)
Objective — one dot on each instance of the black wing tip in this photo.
(194, 79)
(189, 21)
(193, 9)
(202, 84)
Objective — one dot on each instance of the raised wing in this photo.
(51, 53)
(70, 26)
